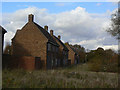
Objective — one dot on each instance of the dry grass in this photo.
(72, 77)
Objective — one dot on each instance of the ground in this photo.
(77, 76)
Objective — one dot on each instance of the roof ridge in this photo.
(61, 43)
(46, 34)
(1, 28)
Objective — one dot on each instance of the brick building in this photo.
(72, 55)
(2, 32)
(33, 40)
(63, 50)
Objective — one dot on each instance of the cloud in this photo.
(76, 26)
(114, 47)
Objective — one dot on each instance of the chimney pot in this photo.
(30, 17)
(59, 37)
(46, 27)
(51, 32)
(67, 43)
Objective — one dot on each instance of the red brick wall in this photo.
(29, 41)
(71, 54)
(27, 63)
(24, 62)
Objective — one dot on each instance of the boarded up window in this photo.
(49, 47)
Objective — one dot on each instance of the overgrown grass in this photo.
(71, 77)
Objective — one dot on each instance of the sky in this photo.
(82, 23)
(91, 7)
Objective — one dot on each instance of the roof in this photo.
(65, 48)
(3, 30)
(72, 49)
(48, 36)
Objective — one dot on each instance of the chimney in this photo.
(30, 18)
(59, 37)
(67, 43)
(51, 32)
(46, 27)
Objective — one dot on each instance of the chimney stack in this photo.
(51, 32)
(46, 27)
(67, 43)
(30, 18)
(59, 37)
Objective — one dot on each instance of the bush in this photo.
(103, 61)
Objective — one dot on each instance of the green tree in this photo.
(114, 28)
(103, 60)
(80, 51)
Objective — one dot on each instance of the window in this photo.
(53, 48)
(64, 61)
(56, 49)
(52, 62)
(63, 52)
(49, 47)
(56, 62)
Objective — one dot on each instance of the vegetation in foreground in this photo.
(99, 71)
(71, 77)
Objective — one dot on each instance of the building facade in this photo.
(72, 55)
(33, 40)
(63, 50)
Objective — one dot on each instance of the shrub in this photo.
(105, 61)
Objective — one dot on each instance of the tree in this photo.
(80, 51)
(78, 48)
(114, 28)
(103, 60)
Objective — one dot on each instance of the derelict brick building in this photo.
(63, 50)
(33, 40)
(72, 55)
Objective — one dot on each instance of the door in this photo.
(37, 62)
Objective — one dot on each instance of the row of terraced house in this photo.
(35, 41)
